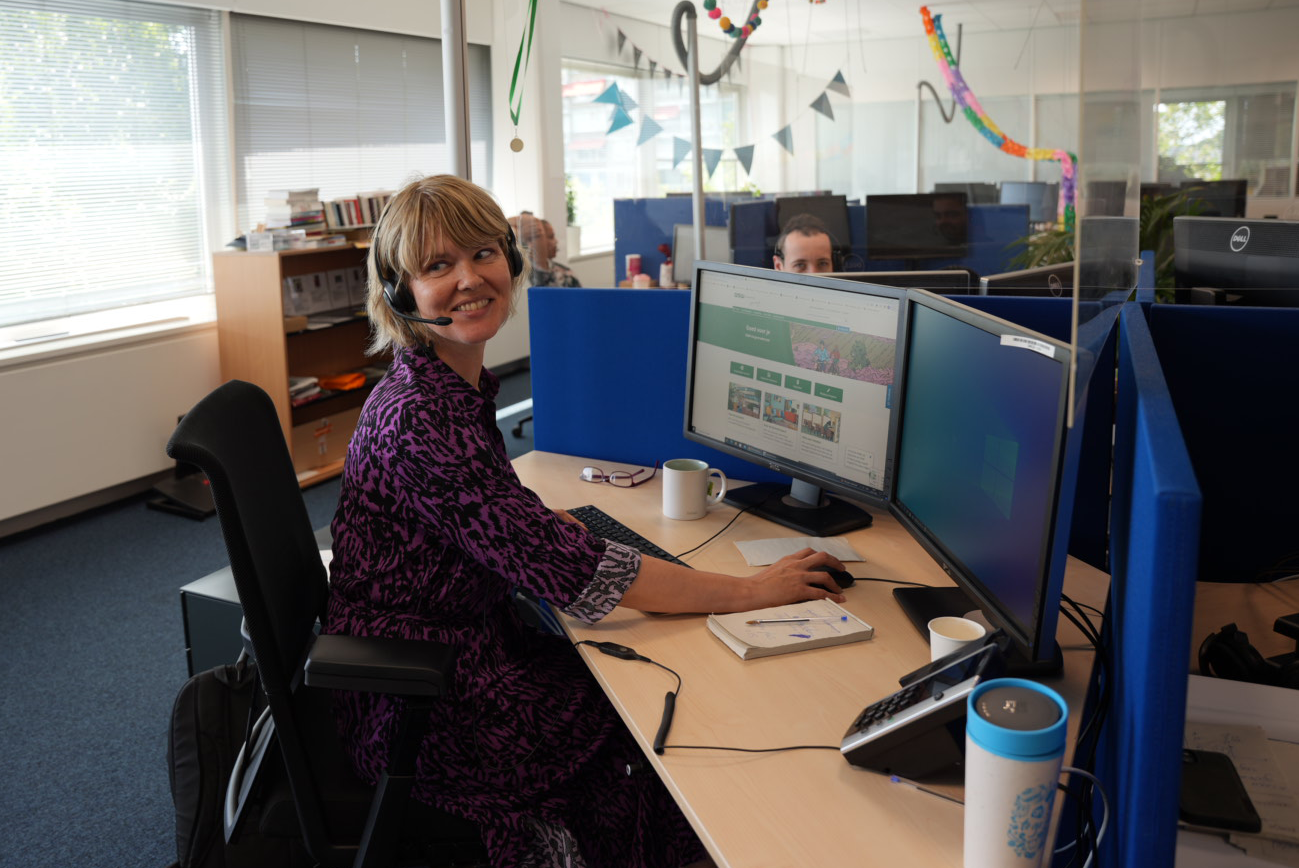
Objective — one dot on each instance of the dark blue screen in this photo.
(977, 462)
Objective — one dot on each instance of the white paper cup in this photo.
(690, 486)
(949, 634)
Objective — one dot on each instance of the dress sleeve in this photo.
(465, 494)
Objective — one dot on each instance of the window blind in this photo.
(113, 164)
(343, 110)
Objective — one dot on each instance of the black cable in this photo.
(893, 582)
(762, 502)
(753, 749)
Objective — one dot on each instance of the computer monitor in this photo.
(795, 372)
(1218, 198)
(1046, 281)
(832, 211)
(976, 193)
(984, 470)
(949, 281)
(1039, 196)
(917, 226)
(717, 247)
(1250, 262)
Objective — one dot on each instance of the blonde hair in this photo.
(442, 209)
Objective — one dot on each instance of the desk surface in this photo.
(794, 808)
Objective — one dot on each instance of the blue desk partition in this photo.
(641, 225)
(609, 377)
(1147, 631)
(1234, 378)
(752, 223)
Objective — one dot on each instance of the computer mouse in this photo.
(841, 578)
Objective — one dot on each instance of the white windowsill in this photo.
(92, 332)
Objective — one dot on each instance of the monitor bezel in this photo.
(875, 498)
(1035, 640)
(1023, 283)
(785, 209)
(918, 279)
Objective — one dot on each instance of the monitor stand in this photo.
(800, 506)
(922, 605)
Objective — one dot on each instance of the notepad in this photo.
(801, 626)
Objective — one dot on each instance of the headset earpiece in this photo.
(396, 293)
(513, 256)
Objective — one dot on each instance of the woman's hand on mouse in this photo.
(794, 578)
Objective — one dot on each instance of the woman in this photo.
(433, 533)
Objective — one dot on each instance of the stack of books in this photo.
(296, 209)
(355, 212)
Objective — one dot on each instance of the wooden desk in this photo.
(795, 808)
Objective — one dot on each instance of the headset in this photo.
(402, 301)
(1229, 654)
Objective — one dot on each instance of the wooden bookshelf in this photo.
(255, 347)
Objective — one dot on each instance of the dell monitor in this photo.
(916, 226)
(832, 211)
(948, 281)
(1218, 198)
(984, 470)
(1039, 196)
(795, 372)
(1046, 281)
(717, 247)
(1249, 262)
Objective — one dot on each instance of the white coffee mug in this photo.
(949, 633)
(689, 488)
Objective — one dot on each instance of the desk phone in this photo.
(920, 729)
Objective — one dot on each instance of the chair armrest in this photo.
(412, 667)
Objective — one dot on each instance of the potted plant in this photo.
(574, 236)
(1155, 232)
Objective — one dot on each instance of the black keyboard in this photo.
(605, 526)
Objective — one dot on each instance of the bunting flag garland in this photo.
(624, 98)
(822, 104)
(838, 85)
(974, 112)
(620, 119)
(622, 40)
(786, 139)
(610, 95)
(745, 155)
(712, 156)
(680, 147)
(649, 128)
(635, 62)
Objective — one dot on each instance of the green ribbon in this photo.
(523, 59)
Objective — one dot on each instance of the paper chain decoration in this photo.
(990, 131)
(728, 27)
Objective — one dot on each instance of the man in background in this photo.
(804, 247)
(538, 236)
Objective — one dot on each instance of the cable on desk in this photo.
(834, 747)
(723, 530)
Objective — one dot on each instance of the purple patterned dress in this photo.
(433, 532)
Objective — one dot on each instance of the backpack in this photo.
(210, 719)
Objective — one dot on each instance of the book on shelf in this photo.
(356, 212)
(298, 385)
(295, 209)
(782, 629)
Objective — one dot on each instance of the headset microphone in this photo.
(440, 321)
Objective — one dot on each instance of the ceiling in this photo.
(802, 22)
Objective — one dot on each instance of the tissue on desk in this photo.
(761, 552)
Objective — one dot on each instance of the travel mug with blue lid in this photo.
(1014, 745)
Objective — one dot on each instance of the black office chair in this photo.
(233, 435)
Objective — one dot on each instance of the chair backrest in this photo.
(233, 435)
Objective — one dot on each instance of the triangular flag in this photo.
(622, 40)
(744, 154)
(712, 156)
(626, 101)
(620, 119)
(653, 65)
(838, 85)
(786, 138)
(680, 147)
(822, 104)
(611, 95)
(635, 57)
(649, 128)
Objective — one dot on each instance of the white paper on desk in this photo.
(1264, 770)
(760, 552)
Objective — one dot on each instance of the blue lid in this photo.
(1030, 723)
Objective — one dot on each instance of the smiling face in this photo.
(470, 285)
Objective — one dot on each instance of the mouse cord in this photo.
(723, 530)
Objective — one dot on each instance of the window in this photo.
(344, 110)
(1215, 133)
(112, 155)
(603, 166)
